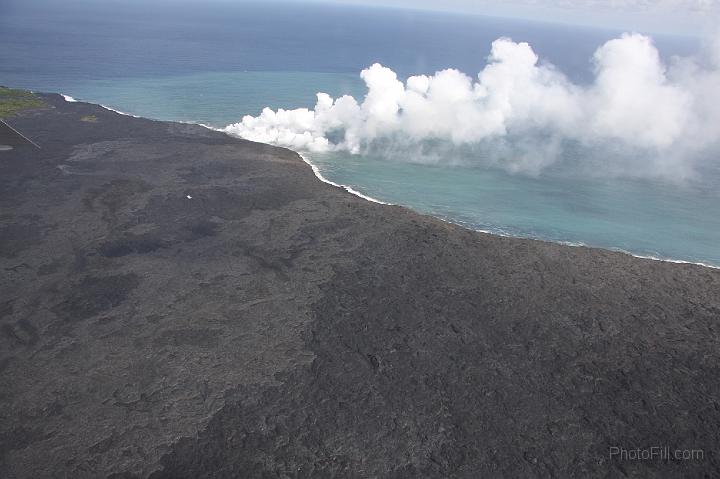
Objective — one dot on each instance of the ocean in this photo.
(215, 62)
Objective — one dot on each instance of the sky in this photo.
(680, 17)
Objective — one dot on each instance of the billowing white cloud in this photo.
(642, 109)
(632, 98)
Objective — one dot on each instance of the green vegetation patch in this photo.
(89, 119)
(13, 101)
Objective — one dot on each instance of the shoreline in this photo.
(351, 190)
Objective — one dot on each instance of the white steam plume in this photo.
(636, 104)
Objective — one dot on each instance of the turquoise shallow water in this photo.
(647, 218)
(213, 62)
(216, 98)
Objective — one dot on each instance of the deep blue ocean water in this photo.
(213, 62)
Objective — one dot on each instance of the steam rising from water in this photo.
(638, 117)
